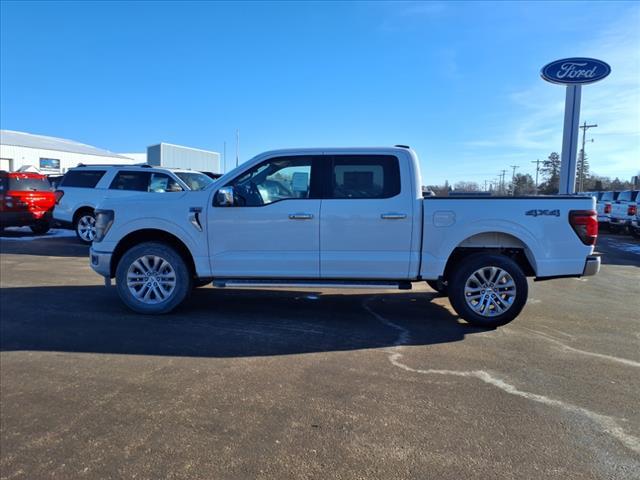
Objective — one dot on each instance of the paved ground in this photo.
(289, 384)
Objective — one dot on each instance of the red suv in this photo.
(26, 199)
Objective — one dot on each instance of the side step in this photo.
(295, 283)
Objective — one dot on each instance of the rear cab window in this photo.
(82, 178)
(364, 176)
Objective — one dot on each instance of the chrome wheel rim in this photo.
(151, 279)
(87, 228)
(490, 291)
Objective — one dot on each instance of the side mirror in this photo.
(224, 197)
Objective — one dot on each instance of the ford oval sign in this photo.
(572, 71)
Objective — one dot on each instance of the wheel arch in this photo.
(81, 209)
(151, 235)
(493, 242)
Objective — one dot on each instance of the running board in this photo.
(256, 283)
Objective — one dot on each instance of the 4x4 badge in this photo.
(538, 213)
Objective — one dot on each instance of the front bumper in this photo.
(100, 262)
(591, 266)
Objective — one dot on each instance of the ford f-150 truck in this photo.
(348, 218)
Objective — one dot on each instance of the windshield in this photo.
(194, 180)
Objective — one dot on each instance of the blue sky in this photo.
(459, 82)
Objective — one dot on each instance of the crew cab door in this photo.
(366, 219)
(272, 229)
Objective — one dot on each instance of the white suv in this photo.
(83, 187)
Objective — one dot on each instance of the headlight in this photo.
(104, 220)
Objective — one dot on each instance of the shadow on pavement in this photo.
(618, 249)
(52, 246)
(219, 323)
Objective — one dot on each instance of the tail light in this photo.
(58, 194)
(607, 208)
(632, 210)
(585, 224)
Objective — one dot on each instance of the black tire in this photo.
(463, 272)
(183, 278)
(41, 227)
(615, 229)
(439, 286)
(84, 222)
(635, 232)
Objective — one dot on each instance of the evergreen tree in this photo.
(551, 173)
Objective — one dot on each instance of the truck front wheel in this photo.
(488, 290)
(152, 278)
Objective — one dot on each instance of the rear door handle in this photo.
(300, 216)
(393, 216)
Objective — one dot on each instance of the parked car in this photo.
(83, 187)
(623, 210)
(634, 227)
(604, 207)
(353, 218)
(26, 199)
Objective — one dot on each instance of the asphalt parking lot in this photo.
(281, 384)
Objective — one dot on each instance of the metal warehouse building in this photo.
(177, 156)
(50, 155)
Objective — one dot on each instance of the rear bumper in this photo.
(20, 219)
(620, 221)
(591, 266)
(100, 262)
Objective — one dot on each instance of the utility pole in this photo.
(537, 162)
(502, 174)
(584, 129)
(237, 146)
(513, 179)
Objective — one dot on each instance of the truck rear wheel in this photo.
(488, 290)
(152, 278)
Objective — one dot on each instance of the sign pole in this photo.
(572, 72)
(568, 162)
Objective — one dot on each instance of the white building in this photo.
(50, 155)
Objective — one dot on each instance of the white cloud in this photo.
(613, 103)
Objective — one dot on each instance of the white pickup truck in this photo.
(347, 217)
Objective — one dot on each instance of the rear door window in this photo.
(365, 176)
(82, 178)
(134, 181)
(144, 182)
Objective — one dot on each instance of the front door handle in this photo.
(300, 216)
(393, 216)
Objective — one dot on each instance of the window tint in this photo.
(628, 196)
(365, 176)
(144, 182)
(137, 181)
(277, 179)
(82, 178)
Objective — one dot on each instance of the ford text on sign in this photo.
(575, 71)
